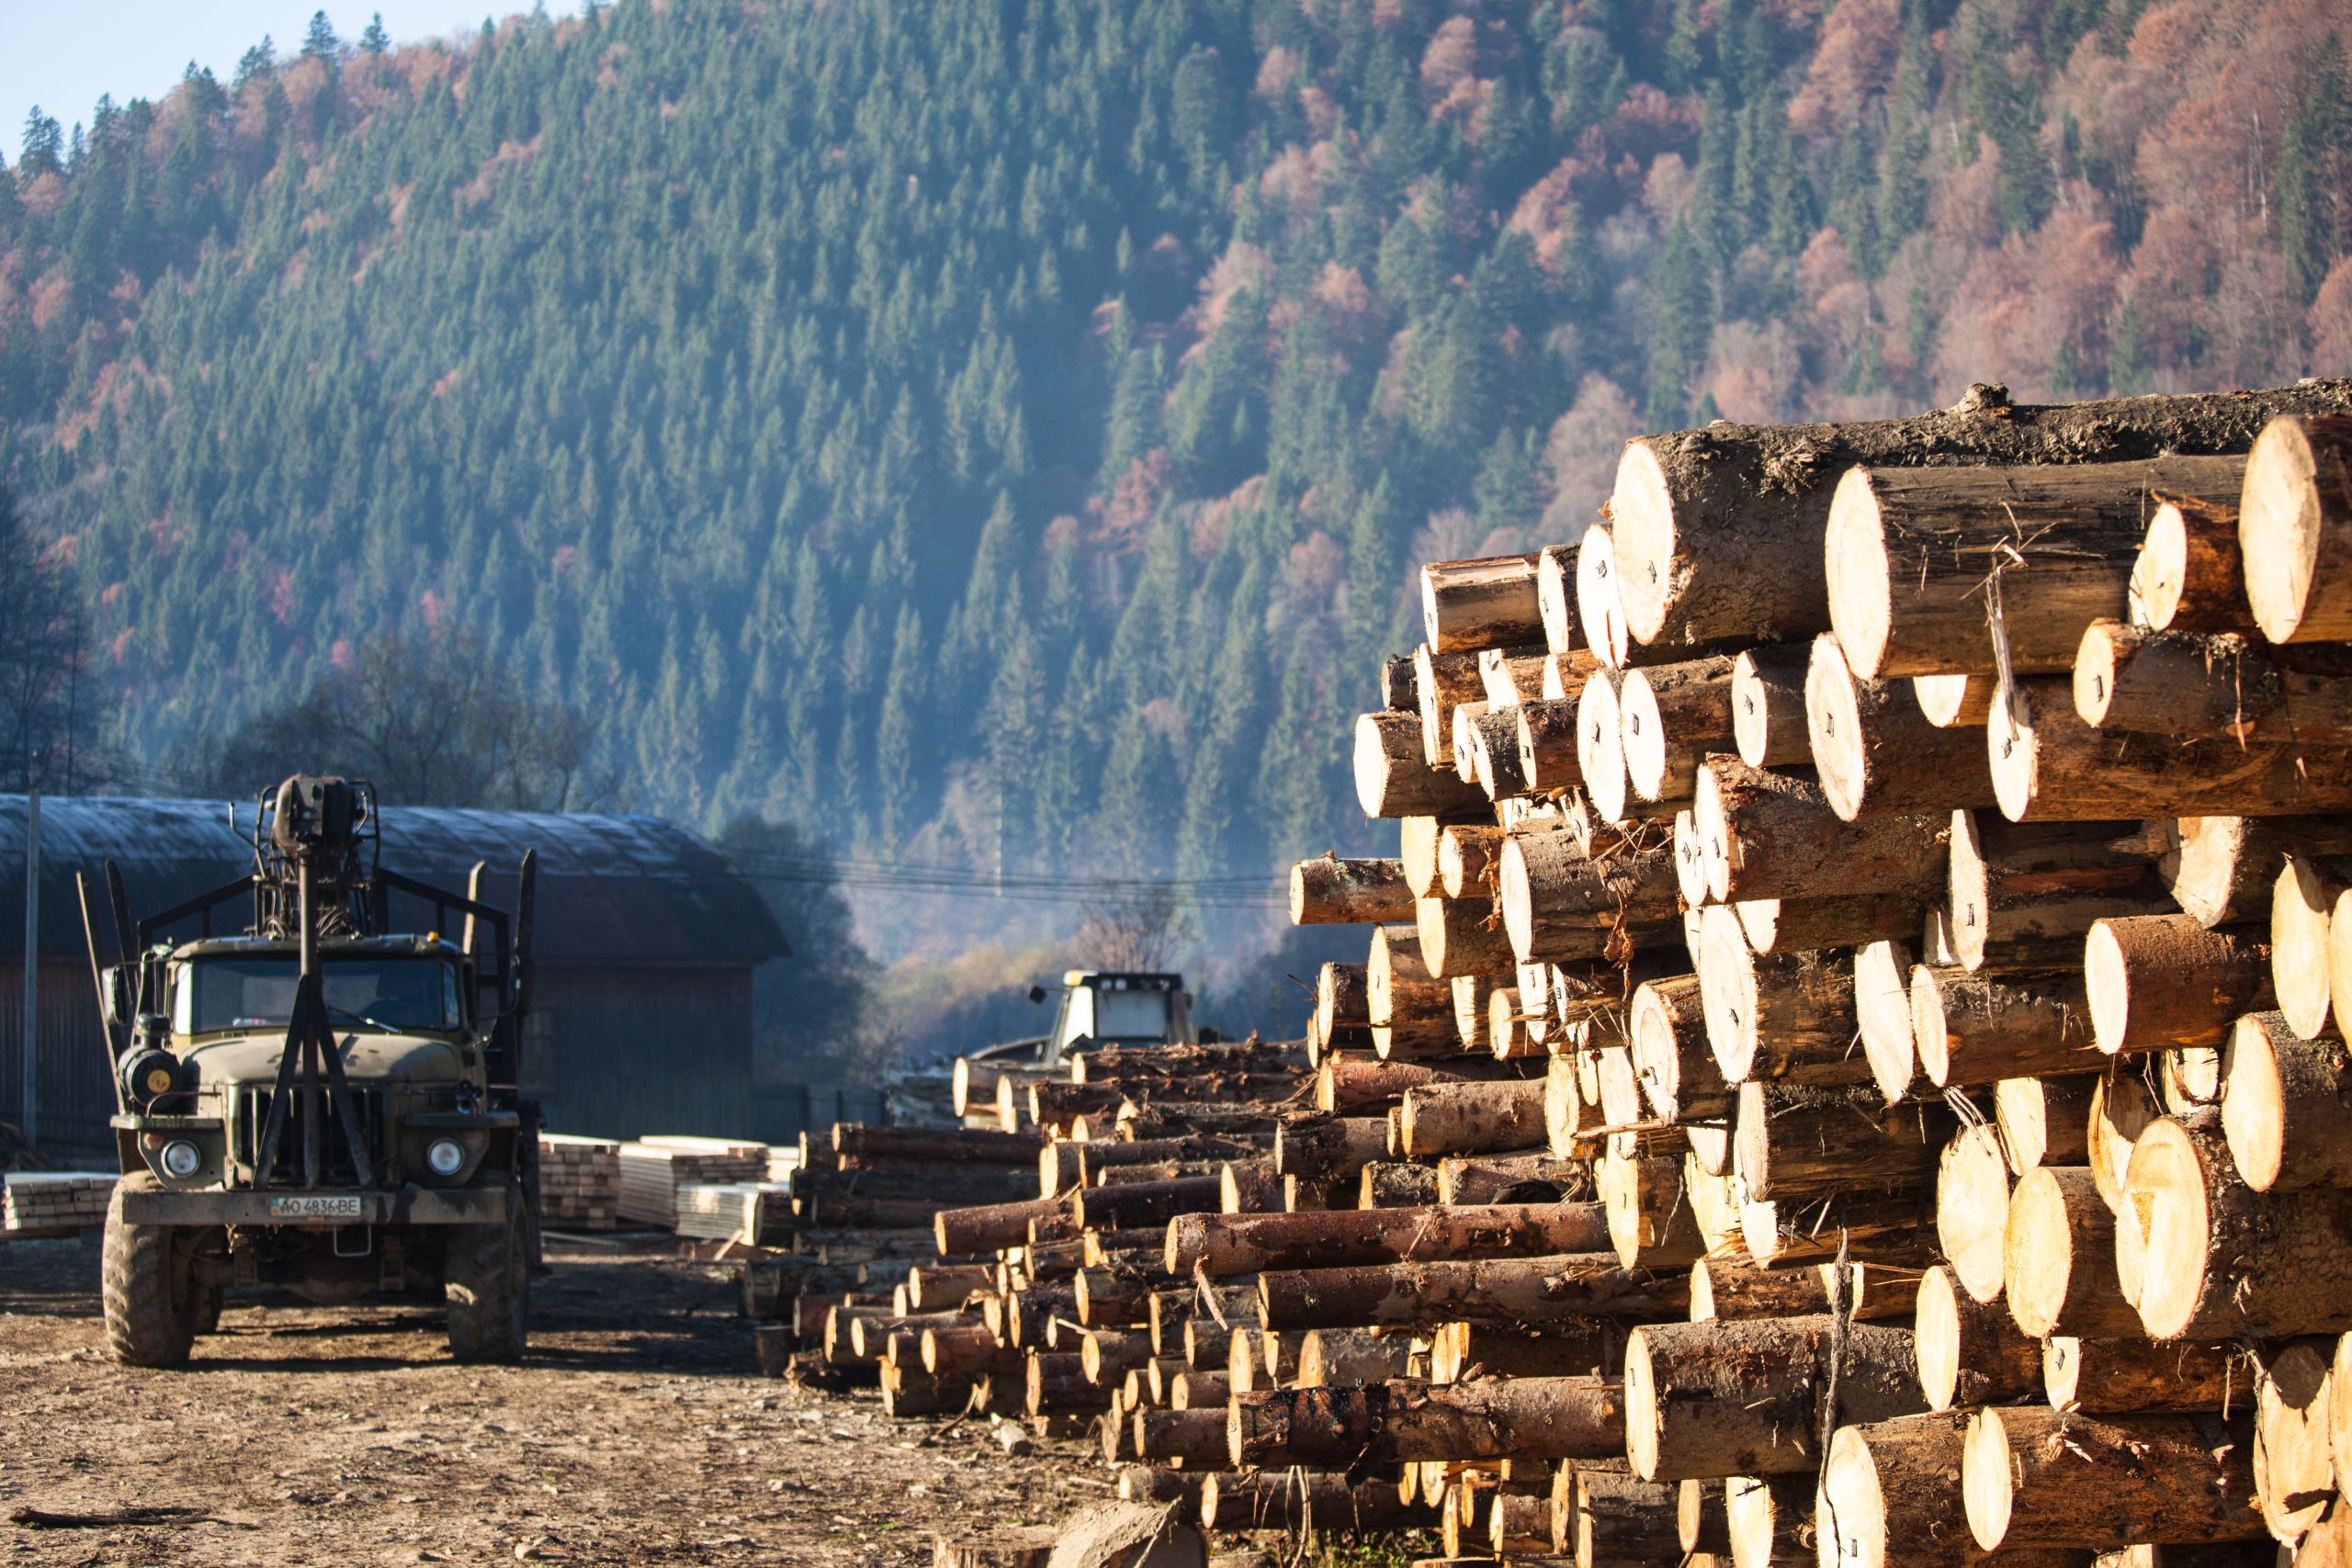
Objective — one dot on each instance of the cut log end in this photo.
(1860, 580)
(2282, 529)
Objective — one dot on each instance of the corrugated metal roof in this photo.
(611, 888)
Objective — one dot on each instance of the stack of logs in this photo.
(1850, 1057)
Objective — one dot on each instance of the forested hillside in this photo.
(996, 432)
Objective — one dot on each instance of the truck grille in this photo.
(336, 1166)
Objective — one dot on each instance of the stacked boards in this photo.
(55, 1200)
(579, 1181)
(652, 1170)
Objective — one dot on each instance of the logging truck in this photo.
(319, 1103)
(1096, 1007)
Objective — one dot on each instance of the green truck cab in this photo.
(319, 1103)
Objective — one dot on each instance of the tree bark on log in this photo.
(1132, 1204)
(1772, 835)
(1547, 743)
(1971, 1353)
(1107, 1297)
(1650, 1222)
(1445, 680)
(1875, 753)
(2286, 1106)
(1556, 598)
(1411, 1007)
(1338, 1357)
(1719, 532)
(2049, 766)
(1057, 1382)
(1221, 1244)
(1910, 553)
(991, 1226)
(1470, 1118)
(945, 1287)
(1670, 717)
(2295, 529)
(1394, 778)
(1741, 1398)
(1768, 706)
(966, 1350)
(1462, 936)
(1532, 1291)
(1973, 1030)
(1561, 906)
(2009, 884)
(2190, 576)
(1785, 1018)
(1330, 891)
(1771, 1520)
(2036, 1477)
(1471, 993)
(1360, 1088)
(1673, 1062)
(1733, 1288)
(1407, 1421)
(1811, 925)
(1291, 1502)
(1531, 1177)
(2191, 683)
(1323, 1147)
(2122, 1377)
(2222, 869)
(1897, 1228)
(2159, 980)
(1488, 603)
(2224, 1261)
(1791, 1145)
(1465, 859)
(1890, 1493)
(1973, 1183)
(1622, 1522)
(2059, 1258)
(1461, 1352)
(1400, 689)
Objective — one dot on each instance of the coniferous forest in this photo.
(994, 434)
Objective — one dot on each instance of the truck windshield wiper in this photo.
(362, 1018)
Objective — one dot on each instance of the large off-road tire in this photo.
(148, 1286)
(486, 1275)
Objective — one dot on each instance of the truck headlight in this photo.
(444, 1156)
(181, 1159)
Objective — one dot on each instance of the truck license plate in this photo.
(337, 1206)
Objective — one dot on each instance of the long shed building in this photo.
(645, 943)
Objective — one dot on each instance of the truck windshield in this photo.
(1130, 1015)
(374, 992)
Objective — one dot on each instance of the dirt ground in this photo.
(635, 1433)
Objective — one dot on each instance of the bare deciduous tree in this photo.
(1139, 931)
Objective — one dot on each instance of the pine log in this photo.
(1673, 1062)
(2190, 576)
(1882, 1019)
(1810, 925)
(2032, 1476)
(1535, 1291)
(1734, 1288)
(2286, 1106)
(1883, 1227)
(1249, 1187)
(1417, 838)
(1331, 891)
(1561, 906)
(1971, 1353)
(1793, 1145)
(2009, 884)
(2121, 1108)
(2295, 529)
(1466, 860)
(1650, 1222)
(2294, 1472)
(1220, 1245)
(1108, 1355)
(1556, 598)
(1668, 716)
(944, 1287)
(1601, 747)
(2060, 1259)
(1387, 1185)
(1783, 1017)
(2193, 682)
(1338, 1357)
(1466, 1118)
(1973, 1030)
(1768, 706)
(1973, 1183)
(1771, 1520)
(991, 1226)
(1358, 1086)
(908, 1391)
(1772, 835)
(1600, 614)
(2045, 1121)
(2224, 1261)
(2049, 766)
(1406, 1421)
(1323, 1147)
(1529, 1176)
(1106, 1297)
(1132, 1204)
(1393, 777)
(1488, 603)
(1890, 1493)
(1689, 860)
(2159, 980)
(1411, 1007)
(1445, 681)
(968, 1349)
(1920, 559)
(1702, 1527)
(1955, 702)
(1199, 1390)
(1875, 753)
(1493, 747)
(1741, 1397)
(1719, 531)
(1505, 1035)
(1622, 1522)
(2302, 905)
(1547, 738)
(1464, 1352)
(1291, 1502)
(1400, 689)
(1057, 1382)
(962, 1146)
(2120, 1377)
(2223, 869)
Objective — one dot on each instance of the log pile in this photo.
(1862, 1073)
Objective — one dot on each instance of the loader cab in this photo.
(1117, 1008)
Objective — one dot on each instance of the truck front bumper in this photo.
(408, 1206)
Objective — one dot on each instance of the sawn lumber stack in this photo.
(1848, 1063)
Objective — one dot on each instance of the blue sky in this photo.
(63, 56)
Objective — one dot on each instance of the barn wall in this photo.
(615, 1051)
(76, 1096)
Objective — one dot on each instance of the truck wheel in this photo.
(147, 1285)
(486, 1275)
